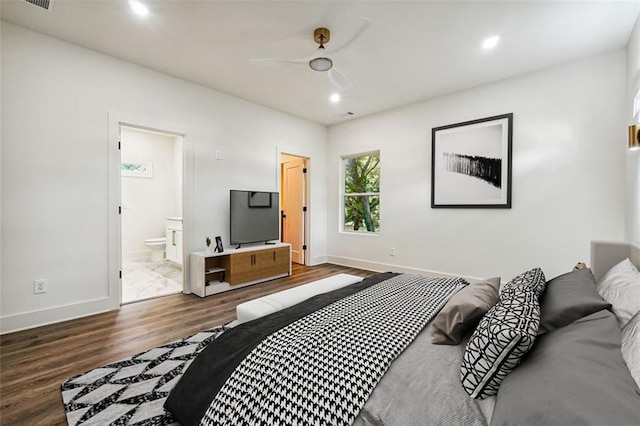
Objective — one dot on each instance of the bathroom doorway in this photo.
(151, 192)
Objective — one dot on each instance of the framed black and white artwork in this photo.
(471, 164)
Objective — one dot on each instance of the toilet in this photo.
(157, 246)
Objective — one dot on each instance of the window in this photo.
(361, 193)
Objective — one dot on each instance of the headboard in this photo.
(606, 254)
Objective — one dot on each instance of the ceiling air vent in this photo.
(44, 4)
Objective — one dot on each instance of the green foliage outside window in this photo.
(362, 193)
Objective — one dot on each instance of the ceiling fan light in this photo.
(321, 64)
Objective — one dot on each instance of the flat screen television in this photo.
(255, 217)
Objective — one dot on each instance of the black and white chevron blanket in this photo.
(321, 369)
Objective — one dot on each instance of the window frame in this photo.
(343, 194)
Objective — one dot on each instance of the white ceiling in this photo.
(412, 51)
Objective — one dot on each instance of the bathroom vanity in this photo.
(234, 268)
(174, 240)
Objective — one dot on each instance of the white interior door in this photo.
(293, 205)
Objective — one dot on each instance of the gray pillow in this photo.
(464, 310)
(631, 346)
(574, 375)
(569, 297)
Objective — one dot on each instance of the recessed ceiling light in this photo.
(335, 98)
(139, 8)
(491, 42)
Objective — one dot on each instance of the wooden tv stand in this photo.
(213, 273)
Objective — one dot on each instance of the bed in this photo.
(400, 349)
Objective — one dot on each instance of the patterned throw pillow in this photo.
(504, 335)
(533, 279)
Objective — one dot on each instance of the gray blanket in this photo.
(422, 387)
(322, 368)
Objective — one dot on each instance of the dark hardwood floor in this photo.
(34, 363)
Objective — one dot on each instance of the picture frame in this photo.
(219, 248)
(471, 163)
(139, 169)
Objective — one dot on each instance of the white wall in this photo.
(1, 184)
(178, 177)
(568, 176)
(56, 102)
(633, 157)
(148, 201)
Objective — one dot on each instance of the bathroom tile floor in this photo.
(143, 279)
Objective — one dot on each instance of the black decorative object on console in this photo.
(219, 247)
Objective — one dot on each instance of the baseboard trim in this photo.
(32, 319)
(318, 260)
(136, 255)
(388, 267)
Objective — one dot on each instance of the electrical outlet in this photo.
(392, 251)
(40, 286)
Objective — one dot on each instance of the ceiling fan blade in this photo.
(358, 28)
(339, 80)
(274, 62)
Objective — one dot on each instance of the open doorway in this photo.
(293, 172)
(151, 164)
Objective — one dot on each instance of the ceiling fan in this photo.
(321, 60)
